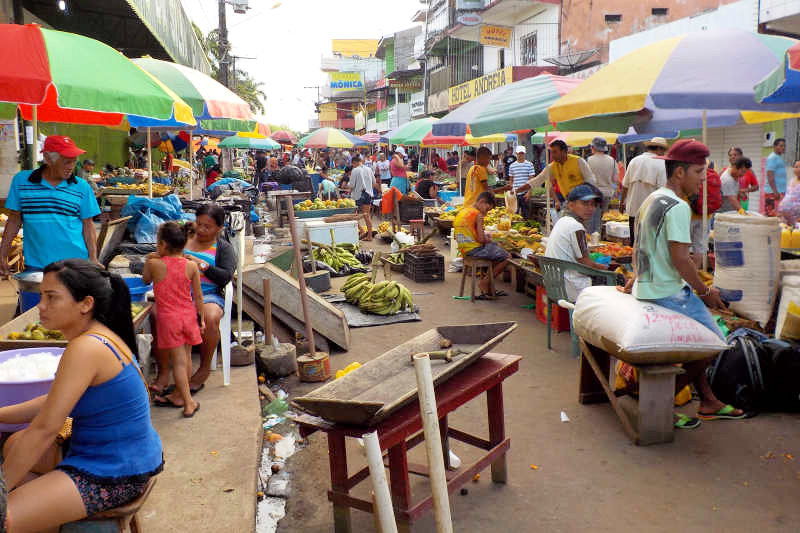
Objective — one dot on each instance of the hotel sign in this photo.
(465, 92)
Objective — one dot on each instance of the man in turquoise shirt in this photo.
(55, 208)
(666, 275)
(775, 187)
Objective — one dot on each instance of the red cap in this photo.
(62, 145)
(687, 151)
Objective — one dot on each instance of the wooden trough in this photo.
(370, 393)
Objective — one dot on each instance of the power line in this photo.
(205, 15)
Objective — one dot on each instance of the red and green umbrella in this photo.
(330, 138)
(208, 98)
(284, 137)
(75, 79)
(782, 84)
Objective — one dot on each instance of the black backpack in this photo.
(739, 374)
(784, 384)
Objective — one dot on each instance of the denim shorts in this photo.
(491, 251)
(686, 302)
(214, 298)
(365, 199)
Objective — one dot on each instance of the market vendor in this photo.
(397, 169)
(327, 188)
(85, 169)
(567, 240)
(478, 177)
(519, 171)
(664, 272)
(55, 208)
(473, 241)
(565, 170)
(113, 450)
(426, 187)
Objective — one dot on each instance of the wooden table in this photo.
(402, 431)
(279, 196)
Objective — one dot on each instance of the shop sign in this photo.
(394, 118)
(345, 82)
(465, 92)
(469, 19)
(406, 85)
(417, 102)
(495, 36)
(470, 4)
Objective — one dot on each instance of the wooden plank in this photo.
(328, 320)
(390, 379)
(253, 307)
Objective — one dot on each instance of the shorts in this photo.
(400, 183)
(686, 302)
(99, 497)
(365, 199)
(491, 251)
(771, 201)
(214, 298)
(174, 331)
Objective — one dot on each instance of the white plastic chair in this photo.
(225, 337)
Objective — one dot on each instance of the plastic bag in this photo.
(166, 208)
(147, 228)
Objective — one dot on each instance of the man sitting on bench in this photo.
(473, 242)
(666, 275)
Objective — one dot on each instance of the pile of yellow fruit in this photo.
(35, 332)
(613, 215)
(383, 227)
(159, 189)
(515, 240)
(450, 215)
(498, 214)
(136, 308)
(319, 203)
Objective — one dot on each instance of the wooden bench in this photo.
(118, 520)
(401, 431)
(651, 420)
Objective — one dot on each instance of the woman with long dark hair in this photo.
(114, 449)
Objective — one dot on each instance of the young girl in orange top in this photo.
(179, 319)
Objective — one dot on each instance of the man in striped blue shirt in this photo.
(519, 172)
(55, 208)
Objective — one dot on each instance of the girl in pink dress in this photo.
(179, 309)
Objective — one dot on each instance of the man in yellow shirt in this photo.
(478, 178)
(474, 242)
(565, 170)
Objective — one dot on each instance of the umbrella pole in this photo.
(191, 167)
(149, 166)
(547, 189)
(460, 157)
(35, 143)
(704, 241)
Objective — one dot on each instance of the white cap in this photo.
(520, 150)
(400, 150)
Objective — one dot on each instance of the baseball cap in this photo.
(62, 145)
(600, 144)
(584, 191)
(687, 151)
(520, 150)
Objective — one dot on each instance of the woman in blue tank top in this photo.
(114, 449)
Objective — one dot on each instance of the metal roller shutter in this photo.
(748, 137)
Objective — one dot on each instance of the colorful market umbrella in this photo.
(573, 138)
(432, 140)
(783, 83)
(412, 133)
(75, 79)
(521, 105)
(249, 143)
(673, 81)
(330, 138)
(372, 138)
(284, 137)
(208, 98)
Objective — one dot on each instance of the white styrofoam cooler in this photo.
(621, 230)
(319, 231)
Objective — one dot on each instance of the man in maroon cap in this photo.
(55, 208)
(664, 272)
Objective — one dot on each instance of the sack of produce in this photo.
(640, 332)
(747, 271)
(787, 326)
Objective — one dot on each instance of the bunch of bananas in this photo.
(613, 215)
(396, 258)
(708, 279)
(383, 227)
(338, 256)
(383, 298)
(159, 189)
(35, 332)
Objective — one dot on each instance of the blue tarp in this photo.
(225, 181)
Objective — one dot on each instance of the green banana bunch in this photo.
(336, 257)
(396, 258)
(384, 298)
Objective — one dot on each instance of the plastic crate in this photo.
(429, 267)
(560, 321)
(410, 210)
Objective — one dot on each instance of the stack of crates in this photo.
(428, 267)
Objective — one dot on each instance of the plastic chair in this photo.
(553, 271)
(225, 337)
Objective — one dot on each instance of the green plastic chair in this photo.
(553, 277)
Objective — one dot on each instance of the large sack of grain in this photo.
(747, 249)
(640, 332)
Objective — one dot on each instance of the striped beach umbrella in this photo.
(330, 138)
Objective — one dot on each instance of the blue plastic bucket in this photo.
(137, 287)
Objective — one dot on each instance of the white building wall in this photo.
(770, 10)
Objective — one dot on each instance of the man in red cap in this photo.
(55, 208)
(666, 275)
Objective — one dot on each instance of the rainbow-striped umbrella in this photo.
(431, 140)
(782, 84)
(521, 105)
(284, 137)
(672, 81)
(412, 133)
(372, 138)
(75, 79)
(330, 138)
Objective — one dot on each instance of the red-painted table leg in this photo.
(497, 429)
(337, 454)
(398, 477)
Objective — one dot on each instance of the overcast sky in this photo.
(289, 37)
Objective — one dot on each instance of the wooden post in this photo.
(704, 241)
(311, 251)
(149, 167)
(267, 312)
(301, 279)
(547, 188)
(191, 166)
(395, 213)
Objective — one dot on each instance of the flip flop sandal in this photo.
(726, 413)
(165, 402)
(686, 422)
(159, 392)
(190, 415)
(198, 389)
(500, 293)
(484, 296)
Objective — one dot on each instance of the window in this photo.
(660, 11)
(613, 18)
(501, 57)
(528, 48)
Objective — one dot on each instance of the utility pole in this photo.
(223, 45)
(233, 76)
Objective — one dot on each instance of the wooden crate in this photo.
(18, 324)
